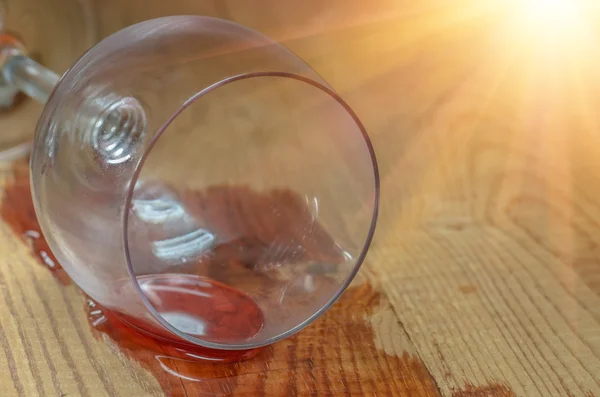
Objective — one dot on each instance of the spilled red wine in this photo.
(281, 369)
(200, 307)
(18, 212)
(267, 255)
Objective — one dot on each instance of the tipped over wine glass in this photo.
(199, 180)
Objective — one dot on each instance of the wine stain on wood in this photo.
(18, 212)
(495, 390)
(337, 354)
(468, 289)
(334, 355)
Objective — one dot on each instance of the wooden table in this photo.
(484, 276)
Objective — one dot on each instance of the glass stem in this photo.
(30, 77)
(111, 124)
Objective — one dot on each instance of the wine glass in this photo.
(202, 182)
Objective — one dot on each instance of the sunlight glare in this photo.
(557, 20)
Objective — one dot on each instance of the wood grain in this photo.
(484, 276)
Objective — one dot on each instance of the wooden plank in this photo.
(483, 278)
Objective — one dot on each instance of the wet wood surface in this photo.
(484, 276)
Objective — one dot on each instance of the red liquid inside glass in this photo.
(200, 307)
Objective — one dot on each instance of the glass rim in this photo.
(148, 150)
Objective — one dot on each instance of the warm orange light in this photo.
(558, 20)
